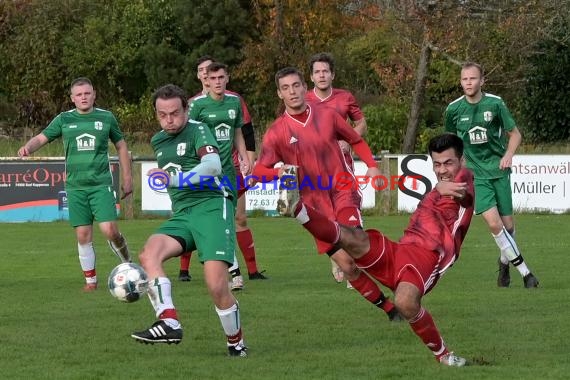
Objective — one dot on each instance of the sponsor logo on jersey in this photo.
(98, 125)
(232, 114)
(85, 142)
(159, 154)
(222, 132)
(220, 253)
(181, 149)
(293, 140)
(352, 218)
(72, 126)
(464, 118)
(478, 135)
(487, 116)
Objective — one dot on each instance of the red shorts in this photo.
(391, 263)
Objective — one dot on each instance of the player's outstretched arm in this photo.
(33, 145)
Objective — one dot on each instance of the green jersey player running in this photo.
(203, 220)
(85, 131)
(491, 138)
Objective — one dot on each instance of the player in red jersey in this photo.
(306, 136)
(243, 233)
(430, 245)
(321, 67)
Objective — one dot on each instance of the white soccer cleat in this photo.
(288, 192)
(452, 360)
(236, 283)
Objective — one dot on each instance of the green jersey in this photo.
(176, 153)
(223, 117)
(482, 127)
(86, 145)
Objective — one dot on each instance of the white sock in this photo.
(230, 320)
(160, 295)
(87, 260)
(510, 250)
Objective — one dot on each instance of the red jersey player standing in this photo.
(430, 245)
(306, 136)
(321, 67)
(243, 233)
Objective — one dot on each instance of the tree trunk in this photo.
(417, 99)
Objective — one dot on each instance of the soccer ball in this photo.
(128, 282)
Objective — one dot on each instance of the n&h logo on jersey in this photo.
(181, 149)
(223, 132)
(85, 142)
(478, 135)
(487, 116)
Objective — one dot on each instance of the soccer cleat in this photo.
(288, 192)
(452, 360)
(87, 288)
(530, 281)
(258, 276)
(236, 283)
(394, 316)
(184, 275)
(159, 332)
(504, 278)
(239, 350)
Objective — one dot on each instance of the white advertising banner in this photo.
(539, 182)
(263, 196)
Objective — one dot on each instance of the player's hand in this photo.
(344, 146)
(452, 189)
(506, 162)
(286, 169)
(23, 152)
(245, 166)
(126, 191)
(374, 174)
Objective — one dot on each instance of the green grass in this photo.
(298, 325)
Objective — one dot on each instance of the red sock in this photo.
(89, 273)
(317, 224)
(185, 261)
(234, 339)
(424, 327)
(168, 313)
(372, 292)
(247, 248)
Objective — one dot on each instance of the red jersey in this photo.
(313, 146)
(440, 223)
(341, 101)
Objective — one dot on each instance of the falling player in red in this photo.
(321, 67)
(430, 245)
(243, 233)
(306, 136)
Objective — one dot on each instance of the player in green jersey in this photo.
(86, 131)
(491, 138)
(203, 219)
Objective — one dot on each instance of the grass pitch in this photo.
(299, 324)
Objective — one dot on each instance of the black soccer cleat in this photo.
(239, 350)
(184, 275)
(504, 278)
(395, 316)
(530, 281)
(159, 332)
(258, 276)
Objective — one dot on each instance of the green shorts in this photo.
(93, 204)
(208, 227)
(494, 192)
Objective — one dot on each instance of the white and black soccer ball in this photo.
(128, 282)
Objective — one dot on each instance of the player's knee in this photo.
(241, 220)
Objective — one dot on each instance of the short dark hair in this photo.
(444, 142)
(80, 81)
(469, 64)
(203, 59)
(288, 71)
(215, 66)
(170, 91)
(322, 57)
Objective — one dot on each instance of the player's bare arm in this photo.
(125, 164)
(515, 139)
(33, 145)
